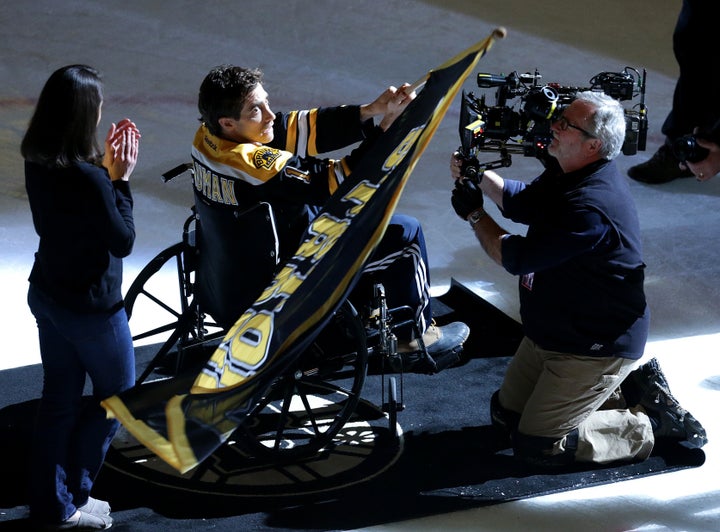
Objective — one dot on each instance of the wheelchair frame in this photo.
(303, 409)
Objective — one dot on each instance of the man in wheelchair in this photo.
(258, 184)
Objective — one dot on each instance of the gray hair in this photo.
(607, 123)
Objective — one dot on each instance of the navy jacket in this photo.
(86, 227)
(580, 263)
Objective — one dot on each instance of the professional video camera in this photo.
(526, 130)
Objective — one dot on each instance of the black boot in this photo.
(648, 387)
(660, 168)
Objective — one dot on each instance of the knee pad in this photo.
(541, 451)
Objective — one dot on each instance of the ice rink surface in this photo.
(328, 52)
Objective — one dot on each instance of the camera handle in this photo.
(504, 161)
(472, 167)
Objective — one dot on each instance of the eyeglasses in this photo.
(563, 124)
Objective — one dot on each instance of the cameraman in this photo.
(582, 300)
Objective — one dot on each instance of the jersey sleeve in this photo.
(321, 130)
(238, 174)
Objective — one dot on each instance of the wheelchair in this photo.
(172, 311)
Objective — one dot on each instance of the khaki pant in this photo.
(556, 393)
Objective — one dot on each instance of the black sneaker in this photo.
(648, 387)
(443, 345)
(660, 168)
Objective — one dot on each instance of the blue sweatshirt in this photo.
(86, 227)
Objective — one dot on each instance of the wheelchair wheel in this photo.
(161, 310)
(304, 410)
(153, 287)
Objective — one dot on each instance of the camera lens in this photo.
(540, 104)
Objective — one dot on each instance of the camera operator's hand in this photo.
(466, 198)
(456, 165)
(462, 167)
(710, 165)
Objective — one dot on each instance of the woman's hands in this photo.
(121, 149)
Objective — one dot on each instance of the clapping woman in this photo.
(82, 211)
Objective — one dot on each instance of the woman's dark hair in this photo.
(223, 93)
(63, 128)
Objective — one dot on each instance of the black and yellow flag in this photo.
(183, 420)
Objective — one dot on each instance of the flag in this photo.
(183, 420)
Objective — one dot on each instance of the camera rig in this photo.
(525, 128)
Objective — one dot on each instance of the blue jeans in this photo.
(72, 433)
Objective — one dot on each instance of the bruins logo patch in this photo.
(265, 157)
